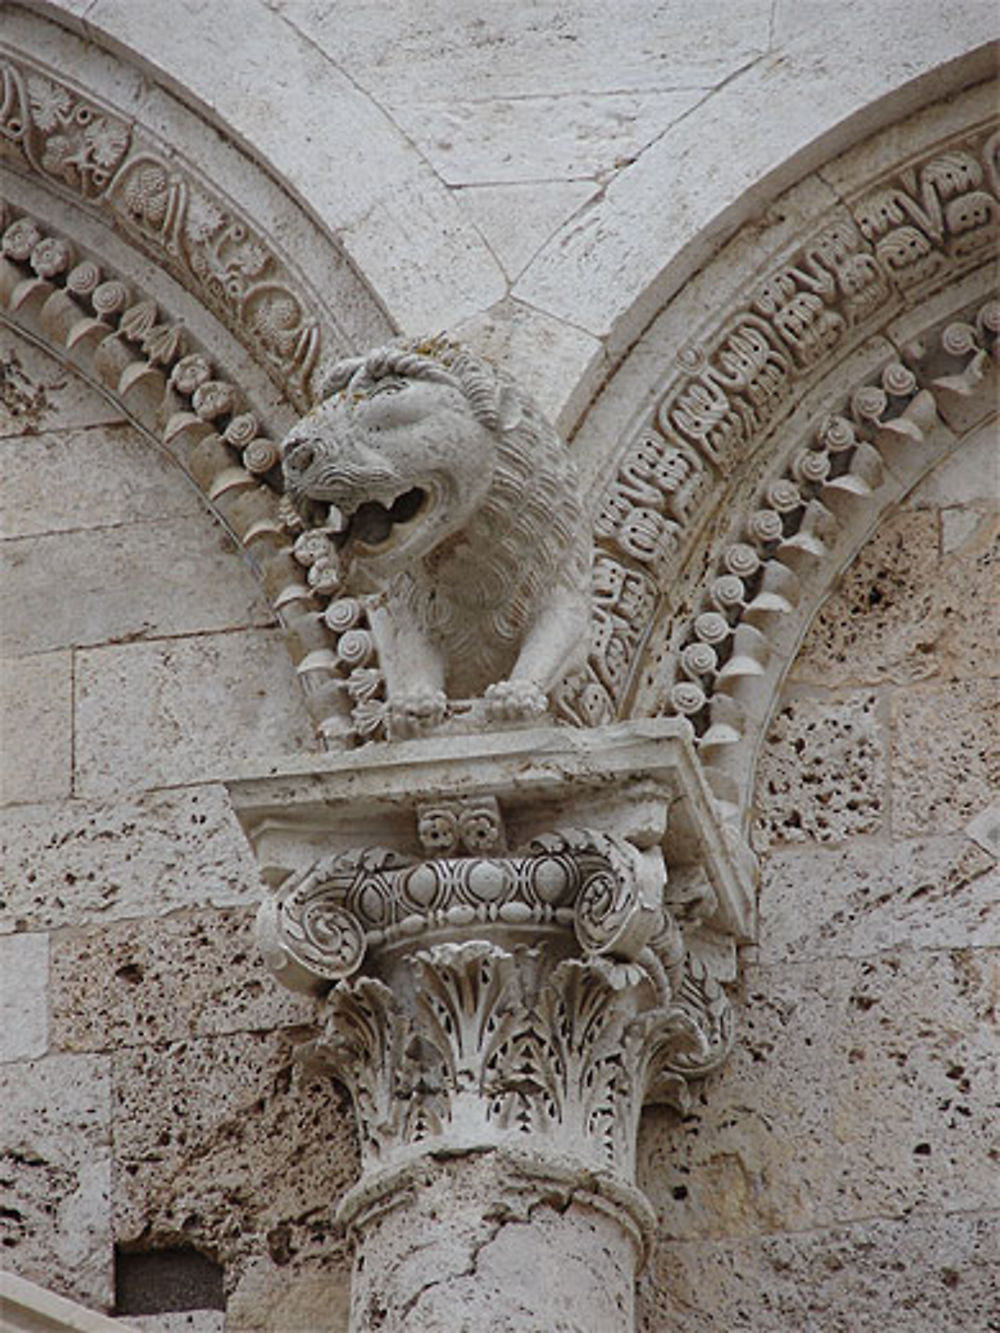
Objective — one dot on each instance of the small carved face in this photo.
(391, 471)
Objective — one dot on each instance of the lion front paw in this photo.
(515, 701)
(416, 714)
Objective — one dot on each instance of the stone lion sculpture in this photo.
(452, 499)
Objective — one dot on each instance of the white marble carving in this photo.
(428, 480)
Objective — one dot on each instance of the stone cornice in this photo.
(287, 809)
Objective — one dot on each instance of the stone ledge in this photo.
(28, 1308)
(296, 805)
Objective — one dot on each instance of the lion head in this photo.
(400, 453)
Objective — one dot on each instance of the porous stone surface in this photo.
(841, 1171)
(36, 726)
(163, 979)
(877, 894)
(910, 1275)
(38, 394)
(182, 710)
(221, 1142)
(78, 862)
(55, 1169)
(179, 1321)
(72, 478)
(945, 754)
(918, 602)
(842, 1184)
(753, 1152)
(821, 771)
(270, 1296)
(93, 584)
(913, 1077)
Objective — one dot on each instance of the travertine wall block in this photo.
(98, 476)
(920, 601)
(36, 727)
(179, 1321)
(945, 754)
(821, 771)
(38, 394)
(752, 1154)
(83, 862)
(56, 1170)
(883, 623)
(174, 711)
(153, 980)
(24, 1004)
(94, 585)
(914, 1073)
(930, 893)
(268, 1295)
(927, 1271)
(224, 1142)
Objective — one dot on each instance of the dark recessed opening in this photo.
(157, 1281)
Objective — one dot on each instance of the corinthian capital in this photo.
(515, 947)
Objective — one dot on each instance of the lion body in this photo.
(488, 590)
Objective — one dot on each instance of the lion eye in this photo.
(301, 457)
(388, 386)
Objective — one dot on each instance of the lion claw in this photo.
(416, 714)
(515, 701)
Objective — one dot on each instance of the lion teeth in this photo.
(335, 519)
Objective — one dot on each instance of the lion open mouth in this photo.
(372, 522)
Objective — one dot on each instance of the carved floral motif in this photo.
(70, 139)
(502, 1045)
(482, 998)
(318, 928)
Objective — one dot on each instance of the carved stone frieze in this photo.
(911, 231)
(108, 328)
(751, 612)
(82, 147)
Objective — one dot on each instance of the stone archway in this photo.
(744, 478)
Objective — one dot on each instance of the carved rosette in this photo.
(490, 984)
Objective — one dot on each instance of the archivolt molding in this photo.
(769, 572)
(92, 154)
(123, 342)
(837, 374)
(766, 453)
